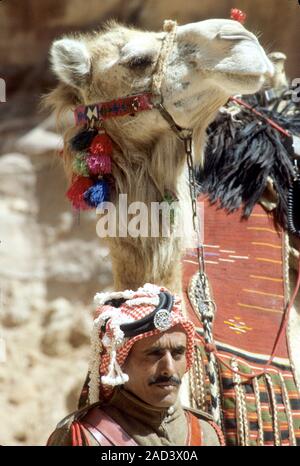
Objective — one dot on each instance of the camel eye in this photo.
(140, 62)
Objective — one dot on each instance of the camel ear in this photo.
(71, 61)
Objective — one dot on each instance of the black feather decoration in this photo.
(243, 150)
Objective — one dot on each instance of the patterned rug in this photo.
(246, 264)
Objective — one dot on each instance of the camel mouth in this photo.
(258, 72)
(248, 75)
(247, 78)
(243, 83)
(249, 70)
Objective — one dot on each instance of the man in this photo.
(142, 345)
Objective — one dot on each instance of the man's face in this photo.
(155, 366)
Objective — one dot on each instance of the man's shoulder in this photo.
(62, 433)
(94, 426)
(76, 415)
(199, 413)
(212, 434)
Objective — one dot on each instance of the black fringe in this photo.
(82, 140)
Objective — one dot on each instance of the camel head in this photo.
(205, 63)
(209, 61)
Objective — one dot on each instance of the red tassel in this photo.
(101, 145)
(76, 191)
(85, 438)
(74, 435)
(79, 438)
(238, 15)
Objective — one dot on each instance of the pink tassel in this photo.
(99, 164)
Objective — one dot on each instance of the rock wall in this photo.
(51, 265)
(51, 261)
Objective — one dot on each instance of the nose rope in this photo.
(170, 28)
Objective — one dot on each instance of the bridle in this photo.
(94, 114)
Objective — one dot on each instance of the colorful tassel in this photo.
(101, 145)
(77, 190)
(99, 164)
(169, 197)
(115, 375)
(238, 15)
(82, 140)
(80, 166)
(97, 193)
(93, 158)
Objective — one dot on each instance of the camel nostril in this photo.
(235, 31)
(241, 35)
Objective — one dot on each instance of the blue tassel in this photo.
(97, 193)
(82, 140)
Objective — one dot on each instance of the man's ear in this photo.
(71, 61)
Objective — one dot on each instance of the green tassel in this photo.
(80, 166)
(170, 198)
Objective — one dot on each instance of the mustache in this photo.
(164, 379)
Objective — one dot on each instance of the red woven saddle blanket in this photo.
(246, 264)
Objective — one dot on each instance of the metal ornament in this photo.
(293, 197)
(206, 306)
(162, 320)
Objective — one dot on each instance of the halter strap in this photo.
(85, 114)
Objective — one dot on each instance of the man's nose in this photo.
(166, 365)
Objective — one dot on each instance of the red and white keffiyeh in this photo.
(110, 348)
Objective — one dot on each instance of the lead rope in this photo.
(206, 306)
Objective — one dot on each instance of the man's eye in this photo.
(156, 353)
(178, 353)
(140, 62)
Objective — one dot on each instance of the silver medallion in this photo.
(162, 320)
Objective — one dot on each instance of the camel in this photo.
(208, 61)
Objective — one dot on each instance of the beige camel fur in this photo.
(209, 61)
